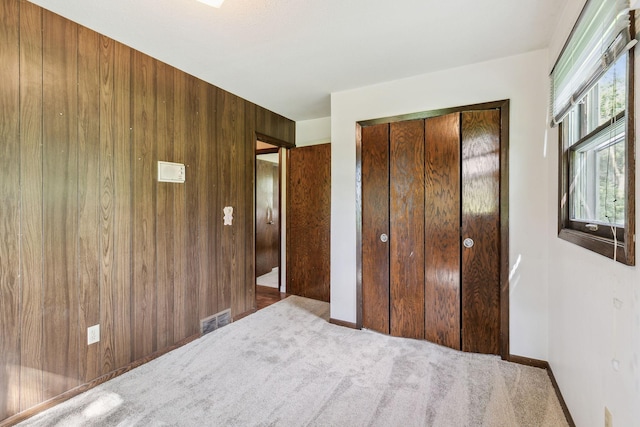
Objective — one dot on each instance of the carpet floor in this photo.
(286, 365)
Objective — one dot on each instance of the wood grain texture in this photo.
(107, 203)
(195, 158)
(165, 198)
(60, 181)
(442, 230)
(31, 249)
(9, 211)
(309, 221)
(88, 198)
(481, 222)
(181, 302)
(144, 218)
(121, 284)
(244, 300)
(85, 119)
(375, 222)
(406, 195)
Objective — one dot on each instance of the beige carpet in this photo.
(287, 366)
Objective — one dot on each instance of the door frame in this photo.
(503, 106)
(279, 144)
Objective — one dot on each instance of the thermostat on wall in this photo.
(170, 172)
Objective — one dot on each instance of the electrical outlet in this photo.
(608, 419)
(93, 334)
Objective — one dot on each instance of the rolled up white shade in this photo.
(599, 37)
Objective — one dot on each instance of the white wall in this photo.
(587, 332)
(313, 132)
(523, 80)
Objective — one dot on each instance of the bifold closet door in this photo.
(481, 231)
(442, 230)
(406, 225)
(375, 227)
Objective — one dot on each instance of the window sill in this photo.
(597, 244)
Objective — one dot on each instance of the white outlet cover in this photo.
(93, 334)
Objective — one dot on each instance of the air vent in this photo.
(215, 321)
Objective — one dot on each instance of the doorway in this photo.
(433, 205)
(268, 227)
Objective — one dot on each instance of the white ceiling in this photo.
(290, 55)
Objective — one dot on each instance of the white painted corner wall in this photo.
(588, 334)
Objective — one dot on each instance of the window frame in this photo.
(622, 249)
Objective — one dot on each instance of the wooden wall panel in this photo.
(84, 121)
(88, 198)
(107, 203)
(309, 221)
(60, 183)
(196, 234)
(181, 290)
(144, 216)
(9, 211)
(406, 201)
(31, 250)
(165, 238)
(230, 116)
(120, 286)
(244, 300)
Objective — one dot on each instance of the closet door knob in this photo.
(468, 242)
(384, 238)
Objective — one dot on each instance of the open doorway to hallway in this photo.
(268, 224)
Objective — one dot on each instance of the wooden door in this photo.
(375, 227)
(481, 224)
(443, 185)
(309, 221)
(406, 219)
(442, 230)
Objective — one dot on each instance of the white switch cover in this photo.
(228, 215)
(171, 172)
(93, 334)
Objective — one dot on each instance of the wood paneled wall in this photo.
(87, 234)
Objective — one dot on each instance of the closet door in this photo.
(442, 230)
(375, 227)
(406, 200)
(481, 231)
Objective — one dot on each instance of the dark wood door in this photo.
(375, 226)
(406, 218)
(443, 185)
(481, 224)
(442, 230)
(309, 221)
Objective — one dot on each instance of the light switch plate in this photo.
(93, 334)
(171, 172)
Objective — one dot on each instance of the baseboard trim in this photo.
(543, 364)
(21, 416)
(343, 323)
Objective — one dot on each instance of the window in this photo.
(595, 114)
